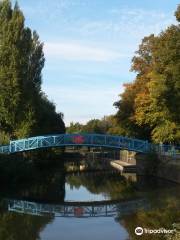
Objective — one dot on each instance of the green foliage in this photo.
(22, 103)
(47, 119)
(113, 127)
(13, 225)
(177, 13)
(95, 126)
(74, 128)
(154, 219)
(149, 107)
(106, 125)
(4, 138)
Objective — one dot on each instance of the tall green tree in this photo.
(22, 102)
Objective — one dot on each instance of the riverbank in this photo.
(159, 166)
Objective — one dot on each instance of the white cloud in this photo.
(76, 51)
(128, 22)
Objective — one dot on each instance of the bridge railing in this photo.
(4, 149)
(166, 150)
(79, 140)
(92, 140)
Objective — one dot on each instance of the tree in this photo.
(74, 128)
(106, 125)
(47, 119)
(149, 107)
(177, 13)
(94, 126)
(127, 105)
(160, 108)
(22, 102)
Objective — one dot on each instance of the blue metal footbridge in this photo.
(90, 140)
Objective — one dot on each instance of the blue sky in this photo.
(88, 47)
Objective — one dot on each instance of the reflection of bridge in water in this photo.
(78, 209)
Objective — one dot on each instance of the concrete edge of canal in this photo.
(164, 167)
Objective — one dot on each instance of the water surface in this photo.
(91, 205)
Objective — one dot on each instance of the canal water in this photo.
(101, 205)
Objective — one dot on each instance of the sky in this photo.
(88, 46)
